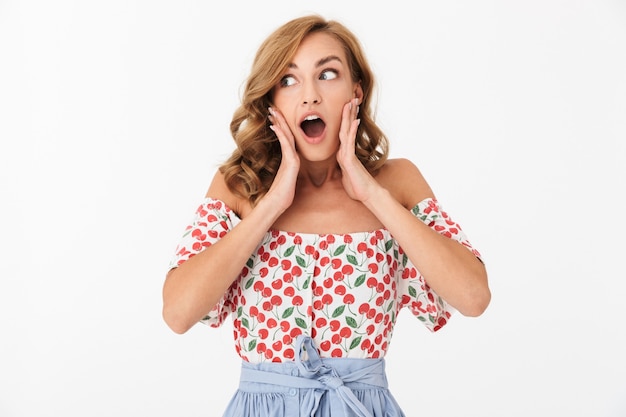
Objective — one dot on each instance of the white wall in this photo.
(114, 115)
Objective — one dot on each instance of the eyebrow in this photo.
(321, 62)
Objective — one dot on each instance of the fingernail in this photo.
(272, 127)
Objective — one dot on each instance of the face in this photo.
(312, 93)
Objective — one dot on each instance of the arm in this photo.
(451, 270)
(192, 289)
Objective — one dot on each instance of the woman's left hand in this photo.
(357, 181)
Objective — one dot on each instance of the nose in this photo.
(310, 95)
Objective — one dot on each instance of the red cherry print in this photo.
(317, 304)
(334, 325)
(327, 299)
(316, 255)
(267, 306)
(212, 234)
(348, 299)
(338, 276)
(372, 282)
(281, 240)
(295, 332)
(273, 261)
(196, 246)
(376, 354)
(277, 284)
(323, 245)
(365, 344)
(336, 338)
(276, 300)
(263, 333)
(361, 247)
(296, 271)
(261, 317)
(431, 298)
(285, 264)
(347, 238)
(320, 322)
(378, 318)
(289, 291)
(243, 332)
(380, 287)
(277, 345)
(318, 291)
(211, 217)
(336, 263)
(345, 332)
(364, 308)
(271, 323)
(378, 339)
(309, 250)
(265, 257)
(284, 326)
(258, 286)
(269, 354)
(347, 269)
(380, 257)
(336, 353)
(325, 346)
(370, 329)
(380, 301)
(340, 290)
(313, 332)
(316, 271)
(324, 261)
(328, 282)
(330, 238)
(254, 311)
(289, 353)
(371, 313)
(386, 294)
(297, 301)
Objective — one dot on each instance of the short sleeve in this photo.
(211, 221)
(432, 310)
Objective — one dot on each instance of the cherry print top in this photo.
(343, 290)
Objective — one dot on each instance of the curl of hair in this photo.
(251, 168)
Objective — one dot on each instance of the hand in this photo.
(357, 181)
(284, 185)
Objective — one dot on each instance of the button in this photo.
(293, 392)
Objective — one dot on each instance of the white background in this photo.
(114, 116)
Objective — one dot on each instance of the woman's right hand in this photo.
(282, 190)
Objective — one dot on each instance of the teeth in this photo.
(311, 117)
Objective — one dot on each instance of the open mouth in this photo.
(312, 126)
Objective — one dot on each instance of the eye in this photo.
(287, 80)
(328, 74)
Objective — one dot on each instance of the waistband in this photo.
(336, 375)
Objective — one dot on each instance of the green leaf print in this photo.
(240, 312)
(355, 342)
(388, 244)
(352, 322)
(249, 283)
(306, 283)
(250, 263)
(301, 323)
(251, 345)
(288, 312)
(412, 292)
(339, 250)
(289, 251)
(421, 318)
(338, 311)
(245, 323)
(360, 280)
(300, 261)
(352, 260)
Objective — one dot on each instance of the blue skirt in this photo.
(315, 387)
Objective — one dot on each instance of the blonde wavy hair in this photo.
(251, 168)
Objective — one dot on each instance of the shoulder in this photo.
(405, 181)
(220, 191)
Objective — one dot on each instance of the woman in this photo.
(313, 240)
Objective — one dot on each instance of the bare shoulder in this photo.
(220, 191)
(404, 181)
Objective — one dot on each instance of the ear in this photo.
(358, 91)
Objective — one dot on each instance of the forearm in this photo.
(449, 268)
(195, 287)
